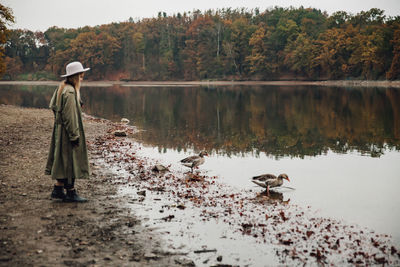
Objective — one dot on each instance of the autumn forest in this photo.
(225, 44)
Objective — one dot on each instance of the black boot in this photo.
(58, 192)
(72, 196)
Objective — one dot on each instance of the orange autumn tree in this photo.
(394, 71)
(95, 50)
(6, 18)
(226, 44)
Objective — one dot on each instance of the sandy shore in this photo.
(38, 231)
(341, 83)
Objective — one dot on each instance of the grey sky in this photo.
(42, 14)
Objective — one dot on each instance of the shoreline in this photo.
(39, 231)
(340, 83)
(105, 231)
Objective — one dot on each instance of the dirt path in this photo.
(38, 231)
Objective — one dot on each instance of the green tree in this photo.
(242, 31)
(139, 43)
(299, 56)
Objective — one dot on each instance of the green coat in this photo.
(65, 160)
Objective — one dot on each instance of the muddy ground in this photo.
(38, 231)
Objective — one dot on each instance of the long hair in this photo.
(71, 80)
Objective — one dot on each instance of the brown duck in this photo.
(194, 161)
(269, 180)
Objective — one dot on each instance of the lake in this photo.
(339, 146)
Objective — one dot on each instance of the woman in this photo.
(68, 158)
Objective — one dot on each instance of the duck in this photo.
(269, 180)
(194, 161)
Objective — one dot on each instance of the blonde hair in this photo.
(71, 80)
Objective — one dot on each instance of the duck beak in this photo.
(288, 179)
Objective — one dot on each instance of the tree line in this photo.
(225, 44)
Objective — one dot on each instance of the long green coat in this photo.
(64, 160)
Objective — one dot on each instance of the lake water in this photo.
(339, 146)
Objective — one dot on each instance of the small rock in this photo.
(219, 258)
(5, 259)
(185, 262)
(131, 223)
(47, 217)
(124, 121)
(159, 168)
(150, 256)
(142, 193)
(135, 258)
(120, 133)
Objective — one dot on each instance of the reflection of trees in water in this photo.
(26, 95)
(279, 121)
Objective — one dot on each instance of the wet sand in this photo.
(110, 229)
(38, 231)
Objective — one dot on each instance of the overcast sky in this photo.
(42, 14)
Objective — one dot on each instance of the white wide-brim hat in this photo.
(74, 68)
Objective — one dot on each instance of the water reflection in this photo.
(271, 197)
(26, 95)
(280, 121)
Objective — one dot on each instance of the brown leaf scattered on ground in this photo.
(38, 231)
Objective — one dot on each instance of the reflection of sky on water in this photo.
(358, 189)
(300, 126)
(198, 234)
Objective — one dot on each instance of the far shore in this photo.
(347, 83)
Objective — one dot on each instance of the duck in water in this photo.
(269, 180)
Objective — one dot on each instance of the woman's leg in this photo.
(72, 196)
(69, 186)
(58, 190)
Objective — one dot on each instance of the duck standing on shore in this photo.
(194, 161)
(269, 180)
